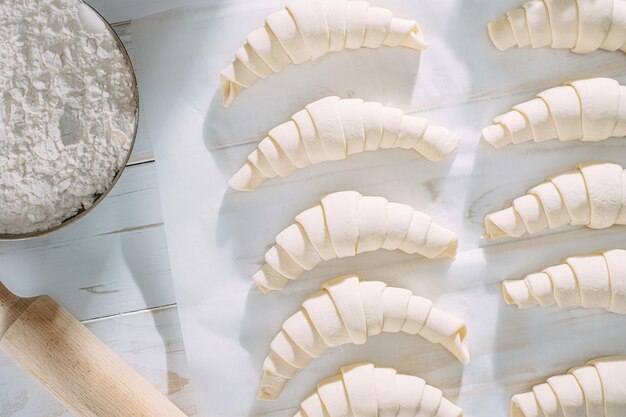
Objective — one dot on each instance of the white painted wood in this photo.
(149, 341)
(110, 263)
(114, 260)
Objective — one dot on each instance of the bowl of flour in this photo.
(68, 113)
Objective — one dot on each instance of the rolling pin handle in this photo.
(11, 308)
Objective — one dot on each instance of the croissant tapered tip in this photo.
(496, 135)
(459, 346)
(523, 405)
(271, 386)
(437, 143)
(416, 40)
(451, 250)
(506, 294)
(263, 396)
(267, 279)
(492, 230)
(448, 409)
(501, 33)
(517, 292)
(440, 243)
(229, 88)
(248, 178)
(504, 223)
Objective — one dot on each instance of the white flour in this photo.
(67, 112)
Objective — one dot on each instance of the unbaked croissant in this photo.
(331, 129)
(590, 281)
(583, 26)
(591, 195)
(598, 389)
(306, 30)
(345, 224)
(366, 390)
(349, 311)
(587, 110)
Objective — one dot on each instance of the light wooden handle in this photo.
(73, 364)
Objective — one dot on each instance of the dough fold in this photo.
(589, 110)
(590, 281)
(591, 195)
(349, 311)
(595, 390)
(584, 26)
(346, 224)
(331, 129)
(306, 30)
(367, 390)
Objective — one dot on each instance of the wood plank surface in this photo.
(112, 261)
(149, 341)
(111, 270)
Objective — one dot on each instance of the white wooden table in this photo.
(110, 270)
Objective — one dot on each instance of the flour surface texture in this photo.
(67, 112)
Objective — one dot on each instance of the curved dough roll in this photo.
(590, 281)
(306, 30)
(588, 110)
(584, 26)
(366, 390)
(332, 128)
(349, 311)
(346, 224)
(591, 195)
(598, 389)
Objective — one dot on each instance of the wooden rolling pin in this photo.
(72, 363)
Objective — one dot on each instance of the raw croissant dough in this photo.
(583, 26)
(366, 390)
(590, 281)
(592, 195)
(306, 30)
(345, 224)
(349, 311)
(332, 129)
(587, 110)
(595, 390)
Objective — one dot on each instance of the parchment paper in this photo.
(217, 237)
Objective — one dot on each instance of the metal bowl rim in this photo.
(83, 213)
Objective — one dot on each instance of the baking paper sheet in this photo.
(217, 237)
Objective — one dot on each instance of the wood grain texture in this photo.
(72, 363)
(148, 341)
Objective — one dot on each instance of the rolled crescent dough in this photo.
(590, 281)
(592, 195)
(595, 390)
(589, 110)
(306, 30)
(367, 390)
(345, 224)
(331, 129)
(584, 26)
(349, 311)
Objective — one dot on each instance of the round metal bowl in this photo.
(99, 197)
